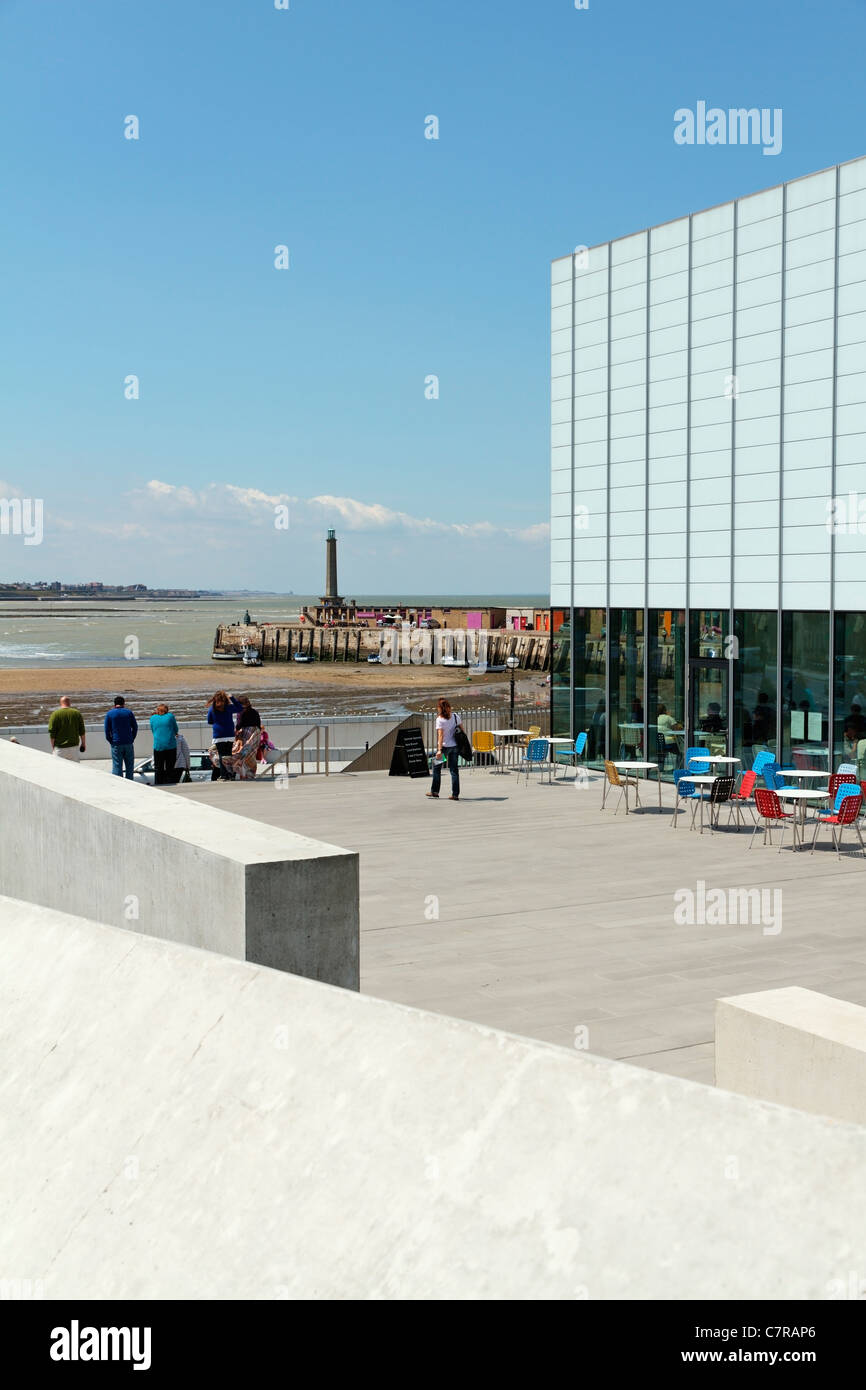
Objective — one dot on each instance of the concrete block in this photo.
(147, 860)
(178, 1125)
(795, 1047)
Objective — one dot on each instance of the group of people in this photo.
(239, 741)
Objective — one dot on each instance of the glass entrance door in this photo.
(708, 704)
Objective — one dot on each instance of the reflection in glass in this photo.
(849, 734)
(582, 709)
(666, 699)
(627, 723)
(755, 693)
(805, 689)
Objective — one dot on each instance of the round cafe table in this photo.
(630, 765)
(701, 779)
(800, 796)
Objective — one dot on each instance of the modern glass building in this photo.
(708, 541)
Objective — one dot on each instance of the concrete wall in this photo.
(136, 856)
(174, 1124)
(796, 1047)
(347, 735)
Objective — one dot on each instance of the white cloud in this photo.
(539, 533)
(221, 500)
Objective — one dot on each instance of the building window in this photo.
(849, 676)
(709, 632)
(560, 679)
(666, 695)
(581, 708)
(627, 721)
(805, 689)
(756, 698)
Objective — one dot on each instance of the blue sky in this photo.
(408, 257)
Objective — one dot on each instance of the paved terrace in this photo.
(554, 917)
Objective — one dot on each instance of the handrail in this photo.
(317, 730)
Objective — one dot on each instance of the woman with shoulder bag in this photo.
(447, 723)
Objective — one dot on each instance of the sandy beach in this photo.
(27, 694)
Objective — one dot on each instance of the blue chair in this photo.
(761, 760)
(536, 756)
(847, 767)
(684, 791)
(774, 779)
(697, 761)
(572, 754)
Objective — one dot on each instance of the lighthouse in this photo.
(332, 607)
(332, 594)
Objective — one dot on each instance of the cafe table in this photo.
(800, 796)
(630, 765)
(508, 735)
(701, 779)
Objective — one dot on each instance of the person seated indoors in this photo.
(712, 721)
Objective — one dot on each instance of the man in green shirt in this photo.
(66, 731)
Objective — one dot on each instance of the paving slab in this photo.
(529, 909)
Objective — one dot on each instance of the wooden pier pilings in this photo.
(394, 646)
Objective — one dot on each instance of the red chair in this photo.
(845, 812)
(743, 797)
(836, 781)
(770, 810)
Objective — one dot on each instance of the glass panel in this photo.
(666, 699)
(755, 693)
(849, 741)
(805, 688)
(709, 632)
(560, 679)
(708, 718)
(626, 683)
(586, 708)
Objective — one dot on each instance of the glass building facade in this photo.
(708, 481)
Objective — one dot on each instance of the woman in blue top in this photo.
(220, 716)
(163, 726)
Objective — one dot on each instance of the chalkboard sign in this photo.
(409, 758)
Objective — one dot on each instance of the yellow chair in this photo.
(534, 732)
(615, 779)
(483, 742)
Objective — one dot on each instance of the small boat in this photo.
(225, 656)
(251, 655)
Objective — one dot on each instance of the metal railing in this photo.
(476, 720)
(286, 753)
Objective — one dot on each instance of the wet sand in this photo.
(28, 694)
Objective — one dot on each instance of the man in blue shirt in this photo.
(121, 728)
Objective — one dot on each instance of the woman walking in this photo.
(220, 716)
(163, 726)
(446, 751)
